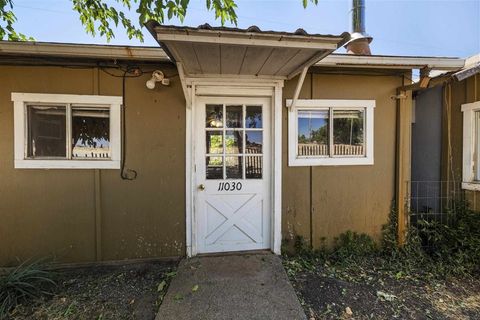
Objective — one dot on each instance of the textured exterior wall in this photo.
(62, 213)
(455, 94)
(53, 212)
(321, 202)
(427, 150)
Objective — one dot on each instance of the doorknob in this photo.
(201, 187)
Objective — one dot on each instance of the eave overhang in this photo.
(243, 52)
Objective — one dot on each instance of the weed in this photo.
(27, 281)
(351, 245)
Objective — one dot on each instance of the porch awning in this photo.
(231, 51)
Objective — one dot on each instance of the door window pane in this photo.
(233, 167)
(233, 142)
(90, 133)
(214, 167)
(253, 167)
(253, 117)
(348, 137)
(47, 131)
(234, 116)
(214, 116)
(215, 142)
(254, 141)
(313, 132)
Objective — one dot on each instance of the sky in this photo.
(401, 27)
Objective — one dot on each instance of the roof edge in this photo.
(107, 52)
(392, 62)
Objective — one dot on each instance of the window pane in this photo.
(233, 141)
(254, 141)
(234, 116)
(253, 117)
(313, 132)
(253, 167)
(233, 167)
(47, 131)
(214, 116)
(214, 167)
(348, 137)
(215, 142)
(90, 133)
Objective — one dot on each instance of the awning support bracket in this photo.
(296, 94)
(181, 75)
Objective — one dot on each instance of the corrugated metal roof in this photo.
(472, 67)
(250, 30)
(208, 50)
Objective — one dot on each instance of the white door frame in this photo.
(241, 87)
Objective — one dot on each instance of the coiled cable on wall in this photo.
(126, 173)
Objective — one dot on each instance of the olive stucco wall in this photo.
(53, 212)
(323, 201)
(88, 215)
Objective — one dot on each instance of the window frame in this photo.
(469, 181)
(22, 100)
(330, 105)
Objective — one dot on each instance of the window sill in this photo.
(298, 162)
(474, 186)
(67, 164)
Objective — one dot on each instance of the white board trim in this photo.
(468, 172)
(235, 87)
(306, 104)
(20, 100)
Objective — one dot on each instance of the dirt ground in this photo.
(370, 293)
(124, 292)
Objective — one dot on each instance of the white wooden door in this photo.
(232, 173)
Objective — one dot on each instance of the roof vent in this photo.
(359, 39)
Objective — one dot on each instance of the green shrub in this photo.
(454, 243)
(351, 245)
(432, 248)
(27, 281)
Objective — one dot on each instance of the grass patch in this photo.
(26, 282)
(131, 291)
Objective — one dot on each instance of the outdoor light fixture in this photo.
(157, 76)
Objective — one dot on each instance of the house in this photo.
(219, 140)
(445, 140)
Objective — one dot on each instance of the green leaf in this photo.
(105, 18)
(178, 297)
(161, 286)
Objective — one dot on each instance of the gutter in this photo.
(392, 62)
(66, 50)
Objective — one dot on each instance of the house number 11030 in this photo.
(229, 186)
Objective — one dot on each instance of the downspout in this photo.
(403, 159)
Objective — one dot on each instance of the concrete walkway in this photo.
(249, 286)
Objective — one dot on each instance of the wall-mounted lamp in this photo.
(157, 76)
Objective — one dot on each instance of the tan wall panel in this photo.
(295, 180)
(146, 217)
(462, 92)
(52, 212)
(43, 212)
(352, 197)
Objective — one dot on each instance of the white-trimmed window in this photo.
(59, 131)
(471, 146)
(330, 132)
